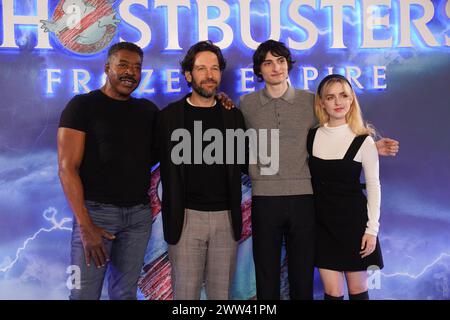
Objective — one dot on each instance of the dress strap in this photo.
(310, 140)
(354, 147)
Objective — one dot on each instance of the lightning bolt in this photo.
(49, 215)
(444, 33)
(412, 276)
(258, 13)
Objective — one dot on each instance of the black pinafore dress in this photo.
(341, 211)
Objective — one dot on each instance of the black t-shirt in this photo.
(117, 160)
(206, 184)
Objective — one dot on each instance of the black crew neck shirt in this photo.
(116, 164)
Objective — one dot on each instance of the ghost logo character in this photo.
(83, 26)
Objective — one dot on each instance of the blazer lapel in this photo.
(228, 123)
(179, 123)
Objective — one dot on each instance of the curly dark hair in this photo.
(189, 59)
(276, 48)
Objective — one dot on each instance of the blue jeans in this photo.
(132, 227)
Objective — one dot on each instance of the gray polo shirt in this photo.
(293, 115)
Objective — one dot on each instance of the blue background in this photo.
(35, 220)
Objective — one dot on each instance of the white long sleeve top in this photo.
(332, 143)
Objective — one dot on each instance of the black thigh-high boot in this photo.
(360, 296)
(328, 297)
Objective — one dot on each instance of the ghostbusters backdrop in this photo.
(395, 53)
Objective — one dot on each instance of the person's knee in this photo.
(334, 291)
(356, 288)
(333, 288)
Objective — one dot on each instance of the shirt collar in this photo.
(288, 96)
(188, 100)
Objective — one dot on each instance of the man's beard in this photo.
(203, 92)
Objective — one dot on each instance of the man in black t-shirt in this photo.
(104, 155)
(201, 200)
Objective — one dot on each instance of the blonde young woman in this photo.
(347, 222)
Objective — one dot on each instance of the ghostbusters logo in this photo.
(83, 26)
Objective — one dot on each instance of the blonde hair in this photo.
(353, 117)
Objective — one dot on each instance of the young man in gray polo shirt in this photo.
(282, 203)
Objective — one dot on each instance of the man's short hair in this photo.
(276, 48)
(125, 46)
